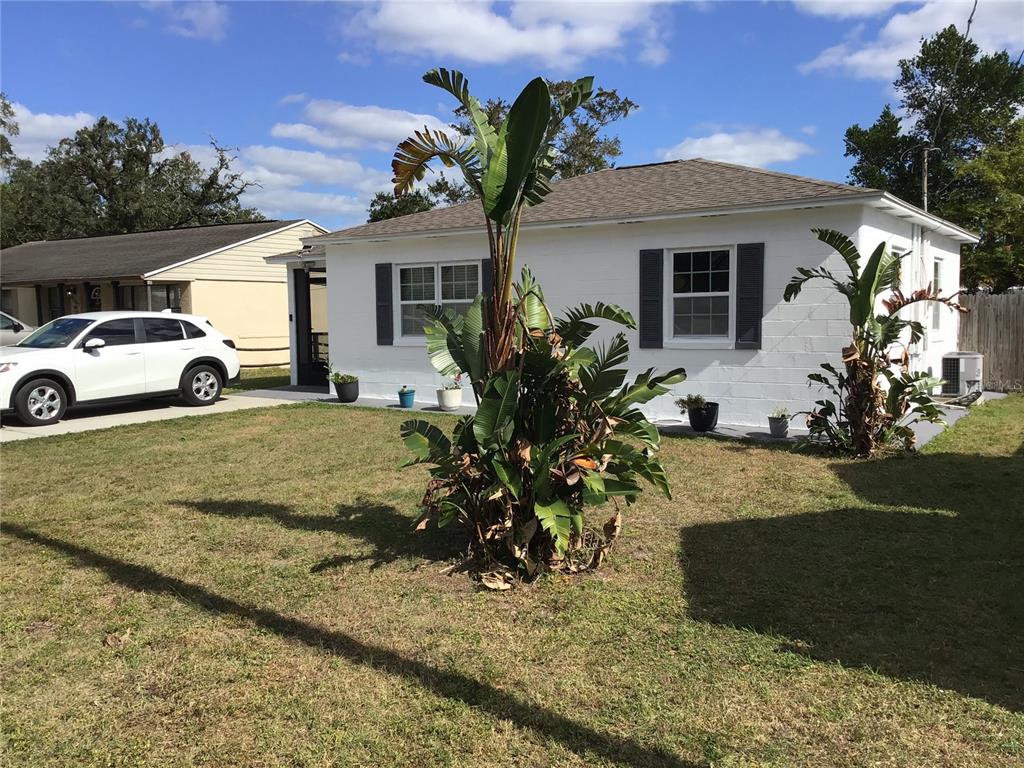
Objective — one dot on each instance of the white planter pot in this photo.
(449, 399)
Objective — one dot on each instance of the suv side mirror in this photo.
(17, 327)
(94, 344)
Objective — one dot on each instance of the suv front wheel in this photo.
(40, 402)
(201, 385)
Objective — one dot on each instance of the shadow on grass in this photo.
(387, 530)
(452, 685)
(935, 595)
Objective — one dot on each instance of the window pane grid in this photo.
(459, 282)
(417, 283)
(700, 290)
(456, 285)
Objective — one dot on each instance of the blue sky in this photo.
(315, 95)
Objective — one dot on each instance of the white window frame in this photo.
(697, 342)
(400, 339)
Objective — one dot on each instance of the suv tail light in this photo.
(229, 343)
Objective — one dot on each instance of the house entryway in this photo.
(310, 319)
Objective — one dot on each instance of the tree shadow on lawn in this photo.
(387, 530)
(547, 724)
(936, 595)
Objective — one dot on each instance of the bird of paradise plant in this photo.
(557, 427)
(507, 168)
(878, 398)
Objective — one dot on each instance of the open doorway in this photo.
(310, 285)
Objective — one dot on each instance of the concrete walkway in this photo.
(87, 418)
(313, 395)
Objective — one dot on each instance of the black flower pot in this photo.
(347, 392)
(703, 419)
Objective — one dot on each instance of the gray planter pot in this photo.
(779, 427)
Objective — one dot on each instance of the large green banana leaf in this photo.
(515, 149)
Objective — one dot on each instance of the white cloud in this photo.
(758, 147)
(808, 130)
(206, 20)
(281, 203)
(293, 182)
(844, 9)
(40, 130)
(315, 168)
(294, 98)
(997, 26)
(557, 33)
(335, 125)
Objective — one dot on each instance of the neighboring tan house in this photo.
(217, 271)
(698, 251)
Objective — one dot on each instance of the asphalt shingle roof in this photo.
(120, 256)
(678, 186)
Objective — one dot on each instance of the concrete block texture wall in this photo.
(601, 263)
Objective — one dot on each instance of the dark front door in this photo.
(310, 353)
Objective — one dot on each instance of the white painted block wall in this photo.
(602, 263)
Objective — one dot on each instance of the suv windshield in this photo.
(56, 333)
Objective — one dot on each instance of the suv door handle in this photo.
(129, 354)
(189, 347)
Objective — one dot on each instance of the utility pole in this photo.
(924, 178)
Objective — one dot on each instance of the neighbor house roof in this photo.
(124, 256)
(674, 188)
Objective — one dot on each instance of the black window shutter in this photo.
(486, 274)
(385, 315)
(652, 318)
(749, 294)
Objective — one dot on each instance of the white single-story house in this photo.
(699, 251)
(217, 270)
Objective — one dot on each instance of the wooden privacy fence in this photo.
(994, 326)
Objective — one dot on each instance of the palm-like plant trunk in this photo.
(501, 330)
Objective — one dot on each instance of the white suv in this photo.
(106, 356)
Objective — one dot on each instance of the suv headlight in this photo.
(5, 367)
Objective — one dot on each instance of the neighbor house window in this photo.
(700, 293)
(137, 297)
(423, 285)
(937, 287)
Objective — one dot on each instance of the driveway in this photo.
(88, 418)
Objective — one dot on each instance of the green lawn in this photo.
(261, 378)
(245, 590)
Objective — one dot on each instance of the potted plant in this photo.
(703, 415)
(778, 422)
(406, 396)
(449, 396)
(346, 386)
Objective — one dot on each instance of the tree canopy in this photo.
(441, 191)
(8, 128)
(114, 178)
(957, 106)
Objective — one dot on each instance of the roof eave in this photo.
(901, 209)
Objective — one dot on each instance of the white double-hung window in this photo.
(702, 297)
(937, 287)
(453, 285)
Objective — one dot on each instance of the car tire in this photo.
(40, 402)
(201, 385)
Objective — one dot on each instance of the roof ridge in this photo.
(784, 175)
(164, 229)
